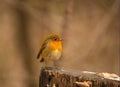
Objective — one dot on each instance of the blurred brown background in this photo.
(89, 28)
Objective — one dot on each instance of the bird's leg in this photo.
(49, 64)
(56, 64)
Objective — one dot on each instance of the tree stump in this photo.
(50, 77)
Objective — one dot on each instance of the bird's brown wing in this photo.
(41, 49)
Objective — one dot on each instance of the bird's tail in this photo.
(38, 55)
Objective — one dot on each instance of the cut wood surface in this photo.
(50, 77)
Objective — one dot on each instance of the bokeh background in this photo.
(90, 30)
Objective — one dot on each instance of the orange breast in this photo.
(55, 45)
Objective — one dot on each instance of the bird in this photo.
(50, 50)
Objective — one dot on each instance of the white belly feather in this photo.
(55, 55)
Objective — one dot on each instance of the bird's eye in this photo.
(55, 39)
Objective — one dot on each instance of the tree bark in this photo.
(50, 77)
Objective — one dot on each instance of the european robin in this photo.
(50, 50)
